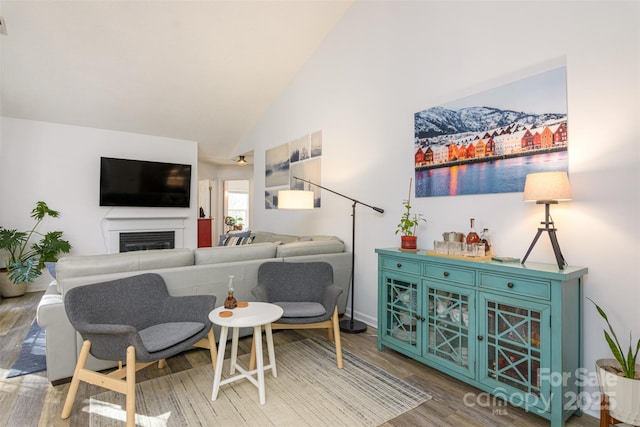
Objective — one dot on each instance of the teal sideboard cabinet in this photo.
(508, 329)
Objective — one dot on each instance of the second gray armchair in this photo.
(306, 293)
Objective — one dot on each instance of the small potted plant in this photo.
(239, 225)
(619, 378)
(24, 261)
(408, 225)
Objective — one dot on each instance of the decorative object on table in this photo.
(351, 325)
(505, 259)
(619, 379)
(230, 302)
(472, 236)
(452, 236)
(547, 188)
(25, 262)
(408, 225)
(485, 239)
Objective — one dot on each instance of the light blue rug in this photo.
(32, 354)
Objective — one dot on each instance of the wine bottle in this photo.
(473, 237)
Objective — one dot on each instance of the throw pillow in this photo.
(223, 237)
(237, 241)
(51, 267)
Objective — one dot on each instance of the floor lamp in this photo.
(296, 199)
(547, 188)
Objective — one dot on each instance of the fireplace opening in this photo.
(147, 240)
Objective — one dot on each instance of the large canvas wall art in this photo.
(490, 141)
(300, 157)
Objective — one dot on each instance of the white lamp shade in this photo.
(295, 199)
(547, 187)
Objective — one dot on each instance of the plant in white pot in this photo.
(619, 378)
(24, 260)
(408, 225)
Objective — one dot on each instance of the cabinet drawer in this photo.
(397, 264)
(450, 274)
(515, 285)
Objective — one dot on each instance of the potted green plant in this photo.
(24, 259)
(619, 378)
(408, 225)
(239, 225)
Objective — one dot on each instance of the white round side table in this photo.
(255, 315)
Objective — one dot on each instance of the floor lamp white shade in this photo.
(295, 199)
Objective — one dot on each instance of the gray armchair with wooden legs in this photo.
(306, 293)
(134, 320)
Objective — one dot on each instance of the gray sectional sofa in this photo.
(186, 272)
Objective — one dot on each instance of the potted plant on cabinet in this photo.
(619, 378)
(408, 225)
(24, 261)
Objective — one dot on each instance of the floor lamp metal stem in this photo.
(350, 325)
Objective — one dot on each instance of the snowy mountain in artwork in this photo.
(434, 123)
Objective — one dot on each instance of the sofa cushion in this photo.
(265, 236)
(164, 335)
(310, 248)
(91, 265)
(301, 309)
(222, 254)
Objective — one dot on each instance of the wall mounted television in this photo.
(126, 182)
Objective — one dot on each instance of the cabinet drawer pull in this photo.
(510, 285)
(399, 265)
(446, 274)
(480, 337)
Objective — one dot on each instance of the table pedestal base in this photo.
(244, 374)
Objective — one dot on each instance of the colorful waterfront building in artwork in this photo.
(511, 140)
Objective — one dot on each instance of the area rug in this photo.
(32, 356)
(309, 391)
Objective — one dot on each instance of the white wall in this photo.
(60, 165)
(386, 60)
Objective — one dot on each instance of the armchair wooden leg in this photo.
(75, 381)
(338, 341)
(162, 363)
(131, 387)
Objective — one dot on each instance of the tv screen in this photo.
(125, 182)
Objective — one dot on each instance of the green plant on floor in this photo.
(628, 362)
(24, 261)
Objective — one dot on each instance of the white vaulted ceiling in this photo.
(196, 70)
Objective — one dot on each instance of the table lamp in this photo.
(547, 188)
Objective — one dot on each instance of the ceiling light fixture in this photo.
(241, 161)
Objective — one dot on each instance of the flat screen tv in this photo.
(125, 182)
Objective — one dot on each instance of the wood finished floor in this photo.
(31, 400)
